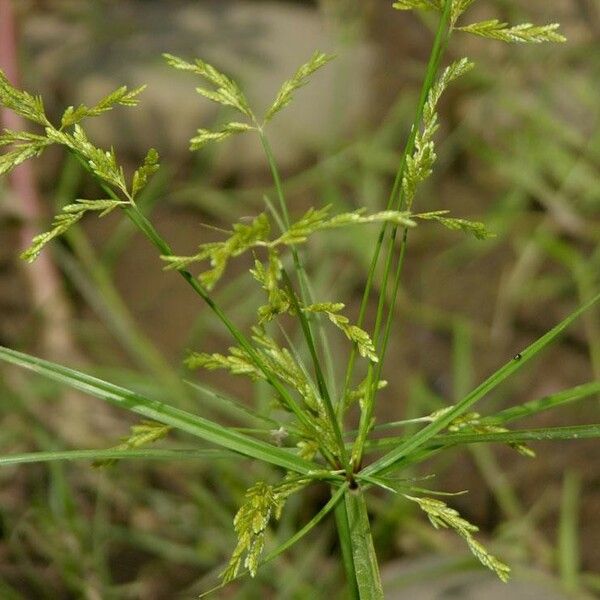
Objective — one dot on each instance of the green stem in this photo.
(343, 529)
(374, 372)
(306, 298)
(305, 291)
(318, 372)
(432, 69)
(363, 550)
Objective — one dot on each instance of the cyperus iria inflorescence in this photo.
(315, 423)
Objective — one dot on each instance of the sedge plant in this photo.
(310, 439)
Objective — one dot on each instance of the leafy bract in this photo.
(154, 410)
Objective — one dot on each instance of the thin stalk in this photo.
(306, 298)
(432, 69)
(305, 290)
(318, 372)
(568, 542)
(374, 372)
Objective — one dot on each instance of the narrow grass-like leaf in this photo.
(425, 434)
(575, 432)
(161, 412)
(230, 406)
(112, 454)
(546, 403)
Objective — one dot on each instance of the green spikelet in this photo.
(142, 434)
(300, 79)
(70, 215)
(419, 166)
(262, 502)
(226, 92)
(526, 33)
(474, 228)
(442, 516)
(355, 334)
(122, 96)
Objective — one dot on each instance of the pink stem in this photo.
(43, 278)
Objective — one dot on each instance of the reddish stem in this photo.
(43, 278)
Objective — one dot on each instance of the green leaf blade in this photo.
(161, 412)
(425, 434)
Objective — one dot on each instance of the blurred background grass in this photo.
(519, 149)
